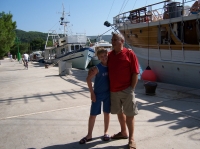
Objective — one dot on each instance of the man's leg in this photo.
(23, 61)
(122, 122)
(106, 122)
(27, 64)
(130, 125)
(116, 108)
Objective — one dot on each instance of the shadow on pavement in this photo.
(88, 145)
(177, 114)
(40, 97)
(37, 64)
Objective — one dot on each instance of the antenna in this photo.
(62, 19)
(69, 11)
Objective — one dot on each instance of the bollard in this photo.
(150, 88)
(62, 68)
(46, 66)
(68, 68)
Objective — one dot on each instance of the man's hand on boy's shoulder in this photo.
(92, 71)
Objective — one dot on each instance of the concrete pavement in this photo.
(41, 110)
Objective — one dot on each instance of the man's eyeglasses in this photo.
(113, 40)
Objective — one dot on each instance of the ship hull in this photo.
(79, 59)
(173, 69)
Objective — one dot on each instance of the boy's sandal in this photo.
(84, 140)
(106, 137)
(132, 145)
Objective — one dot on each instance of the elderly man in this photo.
(123, 70)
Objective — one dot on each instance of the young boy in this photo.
(100, 93)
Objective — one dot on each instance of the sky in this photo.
(86, 16)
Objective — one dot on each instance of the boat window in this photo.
(72, 47)
(63, 51)
(53, 51)
(76, 47)
(164, 35)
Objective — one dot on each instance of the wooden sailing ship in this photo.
(167, 39)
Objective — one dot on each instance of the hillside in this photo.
(27, 37)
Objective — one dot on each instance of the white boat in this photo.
(96, 46)
(36, 56)
(166, 37)
(70, 48)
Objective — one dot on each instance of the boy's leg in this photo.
(90, 126)
(94, 111)
(91, 122)
(106, 112)
(106, 122)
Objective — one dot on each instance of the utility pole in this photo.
(18, 54)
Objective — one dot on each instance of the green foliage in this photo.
(36, 40)
(37, 44)
(7, 33)
(23, 48)
(28, 37)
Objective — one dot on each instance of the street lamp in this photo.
(18, 54)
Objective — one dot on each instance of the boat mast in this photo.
(62, 20)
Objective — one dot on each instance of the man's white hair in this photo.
(118, 35)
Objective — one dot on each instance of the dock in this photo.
(39, 109)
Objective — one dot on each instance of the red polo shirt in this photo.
(121, 66)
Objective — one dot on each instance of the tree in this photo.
(7, 33)
(22, 46)
(38, 44)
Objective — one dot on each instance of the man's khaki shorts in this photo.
(124, 102)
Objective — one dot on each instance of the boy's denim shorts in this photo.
(96, 106)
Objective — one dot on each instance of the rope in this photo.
(54, 25)
(148, 43)
(146, 3)
(182, 38)
(198, 30)
(134, 4)
(106, 32)
(125, 5)
(110, 9)
(122, 7)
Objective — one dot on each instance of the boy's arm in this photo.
(89, 83)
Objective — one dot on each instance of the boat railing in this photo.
(155, 12)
